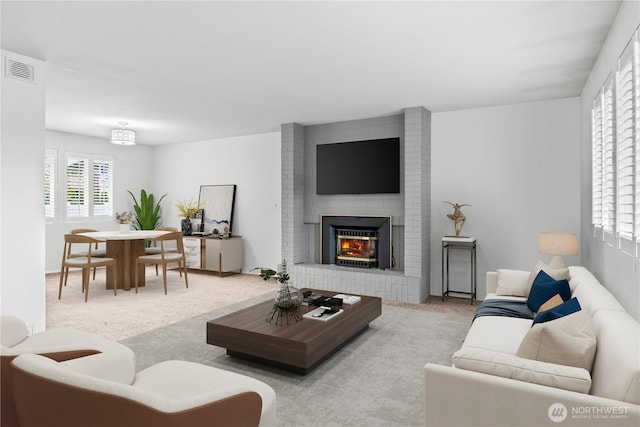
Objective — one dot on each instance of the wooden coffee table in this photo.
(298, 347)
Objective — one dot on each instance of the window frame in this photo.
(628, 169)
(88, 209)
(50, 186)
(615, 154)
(597, 163)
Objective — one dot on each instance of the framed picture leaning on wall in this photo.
(217, 202)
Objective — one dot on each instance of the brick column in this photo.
(294, 245)
(417, 193)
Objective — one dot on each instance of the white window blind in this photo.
(89, 186)
(596, 158)
(50, 161)
(102, 187)
(77, 187)
(636, 134)
(608, 159)
(627, 99)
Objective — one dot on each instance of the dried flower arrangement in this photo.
(187, 209)
(125, 218)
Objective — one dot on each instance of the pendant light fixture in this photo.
(123, 136)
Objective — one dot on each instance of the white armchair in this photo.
(85, 391)
(58, 344)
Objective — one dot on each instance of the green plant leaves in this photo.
(268, 273)
(147, 210)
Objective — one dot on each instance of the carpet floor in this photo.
(376, 380)
(128, 314)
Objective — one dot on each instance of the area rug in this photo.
(376, 380)
(129, 314)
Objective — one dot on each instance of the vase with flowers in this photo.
(126, 220)
(187, 209)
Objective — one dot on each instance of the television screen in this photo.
(360, 167)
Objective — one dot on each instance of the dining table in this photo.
(125, 247)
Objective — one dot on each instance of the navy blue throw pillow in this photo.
(567, 307)
(544, 287)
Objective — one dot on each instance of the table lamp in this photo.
(558, 244)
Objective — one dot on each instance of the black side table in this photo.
(466, 243)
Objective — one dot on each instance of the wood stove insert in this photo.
(356, 241)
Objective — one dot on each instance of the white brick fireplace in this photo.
(408, 280)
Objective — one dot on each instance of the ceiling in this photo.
(181, 71)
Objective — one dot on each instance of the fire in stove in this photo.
(356, 248)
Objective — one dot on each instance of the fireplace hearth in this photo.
(356, 241)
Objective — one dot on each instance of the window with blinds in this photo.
(50, 162)
(627, 141)
(615, 157)
(102, 188)
(596, 158)
(608, 159)
(89, 186)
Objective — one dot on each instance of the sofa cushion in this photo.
(544, 287)
(518, 368)
(504, 297)
(503, 334)
(569, 341)
(513, 283)
(555, 273)
(564, 309)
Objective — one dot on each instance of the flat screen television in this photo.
(359, 167)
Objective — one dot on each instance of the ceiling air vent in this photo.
(19, 70)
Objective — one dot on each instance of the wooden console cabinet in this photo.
(223, 256)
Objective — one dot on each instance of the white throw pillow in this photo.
(518, 368)
(569, 340)
(513, 283)
(556, 273)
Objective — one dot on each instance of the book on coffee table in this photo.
(322, 314)
(309, 300)
(348, 299)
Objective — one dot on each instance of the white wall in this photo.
(133, 170)
(518, 166)
(22, 226)
(250, 162)
(618, 271)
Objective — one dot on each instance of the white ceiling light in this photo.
(123, 136)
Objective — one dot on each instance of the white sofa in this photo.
(498, 388)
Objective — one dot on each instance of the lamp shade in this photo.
(558, 243)
(123, 137)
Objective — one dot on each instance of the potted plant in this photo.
(147, 210)
(187, 210)
(268, 273)
(287, 296)
(125, 219)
